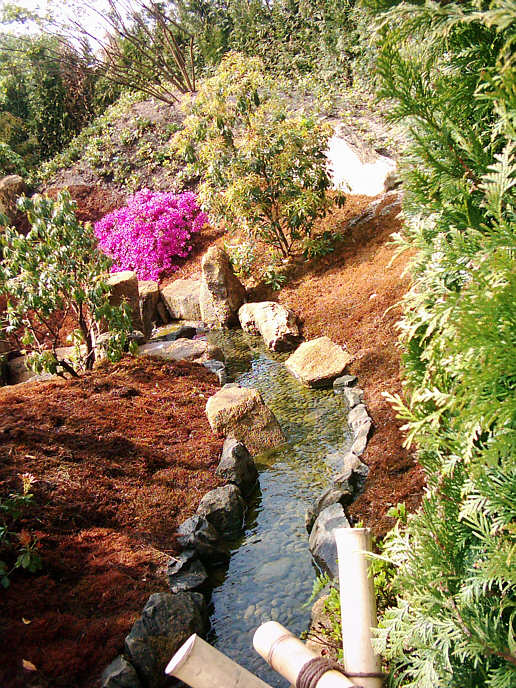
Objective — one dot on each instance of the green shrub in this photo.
(10, 161)
(261, 170)
(52, 274)
(21, 542)
(448, 70)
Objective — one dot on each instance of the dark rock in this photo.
(333, 495)
(186, 572)
(197, 534)
(344, 381)
(353, 476)
(3, 370)
(167, 621)
(224, 508)
(237, 465)
(322, 539)
(120, 674)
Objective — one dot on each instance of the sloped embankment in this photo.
(350, 296)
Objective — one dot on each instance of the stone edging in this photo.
(329, 510)
(169, 618)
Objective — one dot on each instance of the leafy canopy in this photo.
(55, 274)
(261, 169)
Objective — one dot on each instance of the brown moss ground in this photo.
(120, 457)
(351, 296)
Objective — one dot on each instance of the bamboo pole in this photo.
(286, 654)
(357, 603)
(200, 665)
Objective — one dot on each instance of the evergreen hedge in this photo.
(448, 69)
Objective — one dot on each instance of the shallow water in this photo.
(271, 571)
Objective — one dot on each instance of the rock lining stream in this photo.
(271, 571)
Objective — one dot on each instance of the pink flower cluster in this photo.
(150, 232)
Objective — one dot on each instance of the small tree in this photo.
(55, 275)
(261, 169)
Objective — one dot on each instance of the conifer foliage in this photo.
(449, 70)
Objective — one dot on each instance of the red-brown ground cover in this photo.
(351, 296)
(120, 457)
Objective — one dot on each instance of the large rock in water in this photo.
(196, 350)
(240, 413)
(123, 286)
(221, 293)
(224, 508)
(181, 298)
(322, 538)
(318, 362)
(166, 622)
(237, 465)
(277, 325)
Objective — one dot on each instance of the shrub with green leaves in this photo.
(18, 548)
(449, 72)
(54, 276)
(261, 169)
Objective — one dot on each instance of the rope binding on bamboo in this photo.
(313, 670)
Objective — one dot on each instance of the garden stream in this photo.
(271, 571)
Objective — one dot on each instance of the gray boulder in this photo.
(167, 621)
(237, 465)
(181, 298)
(224, 508)
(344, 381)
(277, 324)
(218, 368)
(357, 417)
(322, 539)
(361, 436)
(195, 350)
(333, 495)
(353, 476)
(221, 293)
(197, 534)
(186, 572)
(120, 674)
(353, 396)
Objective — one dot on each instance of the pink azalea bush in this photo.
(150, 232)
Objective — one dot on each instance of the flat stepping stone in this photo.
(318, 362)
